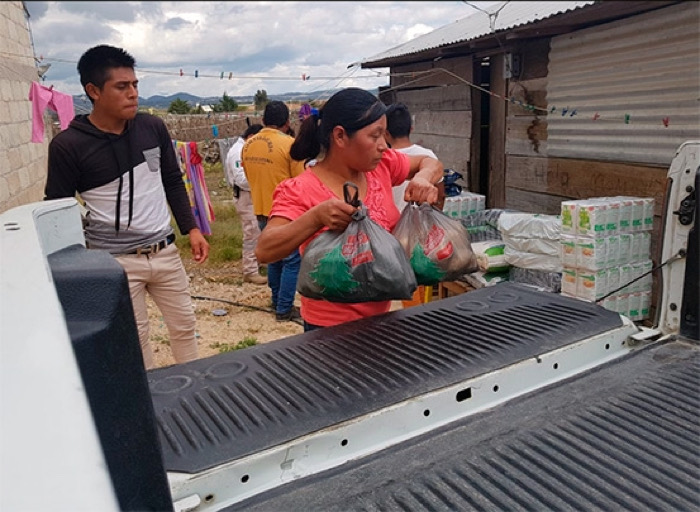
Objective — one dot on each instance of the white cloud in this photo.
(266, 45)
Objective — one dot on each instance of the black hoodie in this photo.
(127, 182)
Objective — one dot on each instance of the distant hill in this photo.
(83, 106)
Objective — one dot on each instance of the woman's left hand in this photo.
(421, 190)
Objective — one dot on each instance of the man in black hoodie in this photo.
(123, 166)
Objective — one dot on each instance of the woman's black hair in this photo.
(352, 108)
(251, 130)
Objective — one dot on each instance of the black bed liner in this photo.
(215, 410)
(624, 436)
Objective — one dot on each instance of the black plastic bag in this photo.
(437, 246)
(452, 188)
(363, 263)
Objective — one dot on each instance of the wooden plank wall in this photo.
(537, 183)
(441, 107)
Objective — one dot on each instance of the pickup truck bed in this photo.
(620, 437)
(399, 412)
(216, 409)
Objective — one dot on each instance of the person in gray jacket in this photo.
(123, 166)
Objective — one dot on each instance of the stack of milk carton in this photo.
(466, 203)
(606, 243)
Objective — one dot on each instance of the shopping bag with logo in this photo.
(363, 263)
(437, 246)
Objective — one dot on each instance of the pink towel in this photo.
(42, 97)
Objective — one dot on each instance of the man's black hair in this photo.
(398, 120)
(276, 114)
(95, 64)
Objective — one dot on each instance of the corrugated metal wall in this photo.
(630, 75)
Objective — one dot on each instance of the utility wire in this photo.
(680, 255)
(241, 305)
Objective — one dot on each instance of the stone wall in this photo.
(199, 128)
(22, 162)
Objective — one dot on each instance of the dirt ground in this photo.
(216, 334)
(223, 285)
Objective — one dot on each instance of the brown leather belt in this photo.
(154, 248)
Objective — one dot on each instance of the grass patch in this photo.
(246, 342)
(226, 239)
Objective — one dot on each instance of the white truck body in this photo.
(362, 416)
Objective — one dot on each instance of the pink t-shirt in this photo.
(295, 196)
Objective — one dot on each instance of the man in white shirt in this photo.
(235, 176)
(399, 126)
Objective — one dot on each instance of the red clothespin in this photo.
(596, 116)
(666, 120)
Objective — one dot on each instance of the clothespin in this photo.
(627, 119)
(596, 116)
(666, 121)
(230, 75)
(181, 73)
(564, 111)
(553, 109)
(573, 113)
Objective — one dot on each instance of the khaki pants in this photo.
(163, 276)
(251, 231)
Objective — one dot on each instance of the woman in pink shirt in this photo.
(347, 140)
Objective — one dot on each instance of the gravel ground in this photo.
(224, 285)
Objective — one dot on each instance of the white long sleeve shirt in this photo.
(233, 167)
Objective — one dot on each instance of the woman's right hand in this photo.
(334, 213)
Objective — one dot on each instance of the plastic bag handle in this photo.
(351, 200)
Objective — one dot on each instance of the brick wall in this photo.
(22, 162)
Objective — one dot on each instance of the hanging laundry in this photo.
(193, 175)
(42, 97)
(224, 146)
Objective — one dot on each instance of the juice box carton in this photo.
(591, 253)
(569, 282)
(568, 251)
(592, 218)
(591, 284)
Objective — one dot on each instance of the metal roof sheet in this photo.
(503, 16)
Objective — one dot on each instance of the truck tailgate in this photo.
(221, 408)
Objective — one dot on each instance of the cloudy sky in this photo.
(262, 45)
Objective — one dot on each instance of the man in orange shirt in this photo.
(267, 162)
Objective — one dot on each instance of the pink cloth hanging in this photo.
(42, 97)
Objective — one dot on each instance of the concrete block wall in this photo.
(22, 162)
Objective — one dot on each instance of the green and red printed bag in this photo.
(363, 263)
(437, 246)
